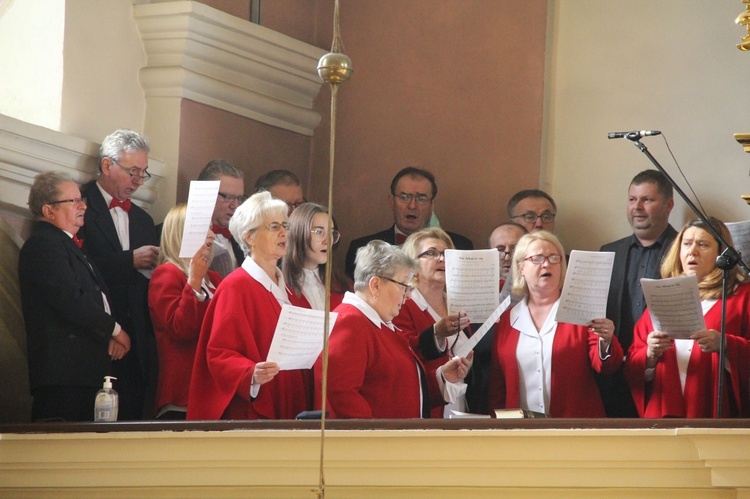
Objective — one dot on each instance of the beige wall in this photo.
(454, 87)
(667, 65)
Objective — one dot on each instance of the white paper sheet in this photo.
(468, 345)
(674, 305)
(740, 232)
(471, 278)
(584, 295)
(298, 339)
(200, 209)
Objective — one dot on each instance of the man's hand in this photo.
(146, 257)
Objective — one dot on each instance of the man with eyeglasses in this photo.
(534, 209)
(413, 191)
(71, 335)
(639, 255)
(284, 185)
(227, 252)
(121, 239)
(504, 238)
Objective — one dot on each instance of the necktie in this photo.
(218, 229)
(125, 205)
(78, 241)
(400, 238)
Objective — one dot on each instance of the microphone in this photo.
(638, 134)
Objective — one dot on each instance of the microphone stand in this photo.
(728, 259)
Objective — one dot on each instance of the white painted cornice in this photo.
(27, 150)
(211, 57)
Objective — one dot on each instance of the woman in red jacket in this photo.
(178, 296)
(539, 364)
(678, 377)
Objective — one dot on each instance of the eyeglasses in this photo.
(408, 198)
(432, 254)
(294, 206)
(539, 259)
(320, 233)
(530, 217)
(505, 253)
(135, 173)
(75, 201)
(229, 198)
(408, 288)
(276, 226)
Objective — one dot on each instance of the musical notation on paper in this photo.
(469, 345)
(200, 208)
(674, 305)
(471, 278)
(298, 338)
(584, 295)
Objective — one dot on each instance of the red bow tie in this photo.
(400, 238)
(217, 229)
(78, 241)
(125, 205)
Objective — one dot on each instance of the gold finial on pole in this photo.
(334, 68)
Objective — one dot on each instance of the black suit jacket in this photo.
(389, 236)
(67, 328)
(128, 287)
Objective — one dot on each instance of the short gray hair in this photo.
(44, 191)
(120, 141)
(379, 258)
(250, 214)
(218, 167)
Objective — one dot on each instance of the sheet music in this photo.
(584, 295)
(469, 345)
(471, 278)
(740, 232)
(674, 305)
(200, 209)
(298, 339)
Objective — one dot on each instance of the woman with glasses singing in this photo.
(372, 370)
(304, 265)
(178, 296)
(541, 365)
(424, 320)
(678, 377)
(231, 378)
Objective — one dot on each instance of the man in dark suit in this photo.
(650, 201)
(227, 253)
(121, 239)
(71, 336)
(413, 191)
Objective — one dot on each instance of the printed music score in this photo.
(471, 278)
(674, 305)
(298, 338)
(467, 346)
(740, 232)
(584, 295)
(200, 208)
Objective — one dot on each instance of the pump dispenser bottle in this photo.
(105, 404)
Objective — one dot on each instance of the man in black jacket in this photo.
(71, 335)
(413, 191)
(639, 255)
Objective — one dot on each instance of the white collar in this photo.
(364, 307)
(420, 301)
(107, 198)
(257, 273)
(520, 319)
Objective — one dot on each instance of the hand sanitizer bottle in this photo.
(105, 404)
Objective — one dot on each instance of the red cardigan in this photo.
(236, 334)
(575, 358)
(372, 371)
(663, 396)
(177, 316)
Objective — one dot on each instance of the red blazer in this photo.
(176, 315)
(663, 396)
(236, 334)
(575, 358)
(372, 371)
